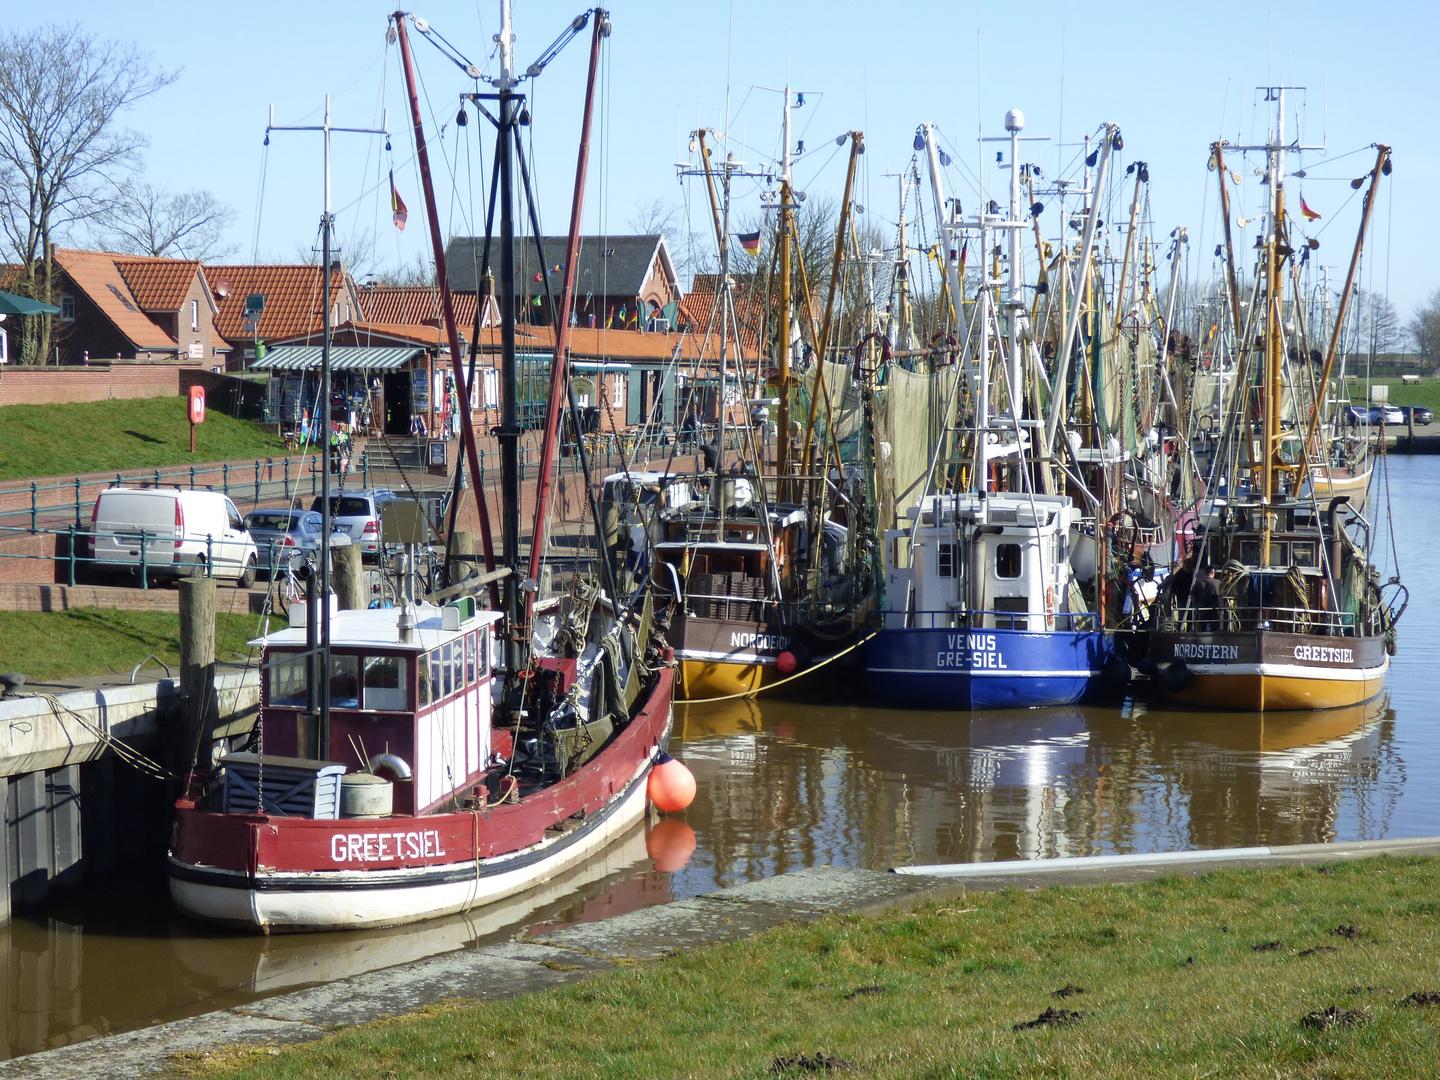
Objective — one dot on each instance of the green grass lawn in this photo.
(1426, 392)
(49, 646)
(1304, 972)
(129, 433)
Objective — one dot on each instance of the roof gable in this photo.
(97, 275)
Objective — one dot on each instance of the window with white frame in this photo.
(194, 314)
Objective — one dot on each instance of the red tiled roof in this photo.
(697, 305)
(636, 346)
(293, 299)
(418, 305)
(158, 284)
(367, 333)
(96, 274)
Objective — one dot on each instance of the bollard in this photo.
(347, 577)
(192, 477)
(199, 708)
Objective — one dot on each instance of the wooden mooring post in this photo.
(200, 709)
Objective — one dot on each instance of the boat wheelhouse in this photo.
(733, 576)
(417, 805)
(1299, 621)
(980, 614)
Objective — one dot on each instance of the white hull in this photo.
(352, 900)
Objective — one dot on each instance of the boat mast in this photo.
(447, 307)
(1271, 465)
(1381, 167)
(319, 702)
(559, 373)
(1014, 302)
(508, 433)
(787, 212)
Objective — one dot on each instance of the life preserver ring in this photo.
(1049, 607)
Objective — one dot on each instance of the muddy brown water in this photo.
(843, 781)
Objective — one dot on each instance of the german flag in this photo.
(1309, 215)
(750, 241)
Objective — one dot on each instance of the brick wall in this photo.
(57, 385)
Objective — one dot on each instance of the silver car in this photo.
(357, 514)
(279, 533)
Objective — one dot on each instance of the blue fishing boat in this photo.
(981, 605)
(982, 616)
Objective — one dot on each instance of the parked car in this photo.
(284, 531)
(1423, 416)
(181, 530)
(1386, 414)
(1355, 415)
(357, 514)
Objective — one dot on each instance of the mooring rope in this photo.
(789, 678)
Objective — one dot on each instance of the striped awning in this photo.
(342, 358)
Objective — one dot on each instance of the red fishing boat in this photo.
(424, 760)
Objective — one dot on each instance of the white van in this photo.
(182, 529)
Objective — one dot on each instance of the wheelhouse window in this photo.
(287, 681)
(945, 560)
(1007, 560)
(344, 682)
(385, 683)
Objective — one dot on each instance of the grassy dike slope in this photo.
(1309, 972)
(51, 646)
(126, 433)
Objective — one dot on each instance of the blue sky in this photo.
(1174, 77)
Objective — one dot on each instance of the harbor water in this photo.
(842, 781)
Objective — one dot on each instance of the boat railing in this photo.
(976, 619)
(734, 608)
(1233, 618)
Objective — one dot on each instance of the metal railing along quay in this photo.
(282, 478)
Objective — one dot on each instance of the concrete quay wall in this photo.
(72, 807)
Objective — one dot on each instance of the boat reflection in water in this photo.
(106, 966)
(785, 785)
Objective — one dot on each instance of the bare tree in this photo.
(148, 220)
(1424, 328)
(1379, 324)
(657, 217)
(61, 91)
(418, 271)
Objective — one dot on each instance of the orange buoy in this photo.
(670, 843)
(787, 662)
(671, 786)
